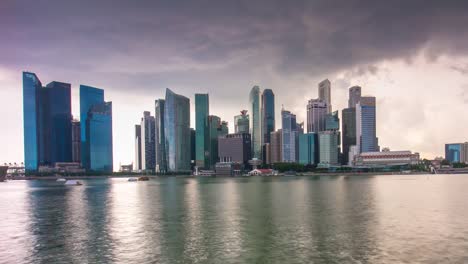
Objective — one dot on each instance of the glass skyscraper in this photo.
(308, 148)
(47, 122)
(137, 165)
(256, 122)
(160, 138)
(366, 125)
(289, 134)
(95, 112)
(99, 137)
(348, 116)
(268, 114)
(241, 123)
(324, 91)
(202, 132)
(148, 142)
(316, 113)
(453, 152)
(177, 131)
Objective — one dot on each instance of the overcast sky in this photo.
(411, 55)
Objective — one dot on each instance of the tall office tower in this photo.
(276, 146)
(177, 131)
(241, 122)
(354, 96)
(216, 129)
(47, 122)
(137, 165)
(148, 142)
(308, 149)
(224, 129)
(328, 148)
(268, 114)
(366, 138)
(289, 134)
(192, 147)
(316, 113)
(256, 122)
(202, 137)
(99, 137)
(76, 141)
(324, 88)
(266, 152)
(348, 116)
(96, 149)
(159, 137)
(453, 152)
(235, 148)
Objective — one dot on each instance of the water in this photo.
(383, 219)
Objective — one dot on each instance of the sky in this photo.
(411, 55)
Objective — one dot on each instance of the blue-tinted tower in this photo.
(99, 137)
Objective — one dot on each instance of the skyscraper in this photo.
(148, 142)
(289, 134)
(456, 152)
(202, 136)
(159, 136)
(256, 122)
(348, 116)
(276, 146)
(47, 122)
(76, 141)
(177, 131)
(99, 137)
(137, 165)
(324, 88)
(354, 96)
(241, 122)
(328, 148)
(316, 113)
(308, 149)
(268, 114)
(366, 138)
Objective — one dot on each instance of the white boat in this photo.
(132, 179)
(61, 180)
(73, 182)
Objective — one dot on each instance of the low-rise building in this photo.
(386, 158)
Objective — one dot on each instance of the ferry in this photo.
(3, 172)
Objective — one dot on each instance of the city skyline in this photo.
(135, 74)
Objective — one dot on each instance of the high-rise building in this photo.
(316, 112)
(276, 146)
(137, 165)
(332, 121)
(324, 88)
(241, 122)
(456, 152)
(289, 134)
(192, 147)
(177, 131)
(159, 136)
(99, 137)
(348, 116)
(366, 138)
(235, 148)
(96, 141)
(354, 96)
(256, 122)
(223, 129)
(76, 141)
(329, 148)
(308, 149)
(148, 142)
(268, 114)
(202, 137)
(47, 122)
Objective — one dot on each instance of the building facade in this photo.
(76, 141)
(177, 131)
(317, 110)
(255, 120)
(241, 123)
(148, 142)
(289, 134)
(235, 148)
(366, 125)
(308, 149)
(99, 138)
(354, 96)
(329, 148)
(348, 116)
(276, 146)
(456, 152)
(268, 114)
(324, 91)
(137, 165)
(387, 159)
(202, 136)
(159, 134)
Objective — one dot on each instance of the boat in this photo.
(143, 178)
(73, 183)
(61, 180)
(3, 172)
(132, 179)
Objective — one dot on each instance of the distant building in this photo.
(76, 141)
(98, 113)
(159, 136)
(276, 146)
(241, 123)
(266, 153)
(324, 91)
(329, 148)
(289, 134)
(255, 120)
(317, 110)
(456, 152)
(366, 126)
(235, 148)
(268, 114)
(202, 136)
(387, 158)
(192, 147)
(148, 153)
(47, 122)
(177, 131)
(348, 116)
(354, 96)
(308, 149)
(217, 128)
(137, 166)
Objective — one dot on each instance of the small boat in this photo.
(143, 178)
(132, 179)
(73, 183)
(61, 180)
